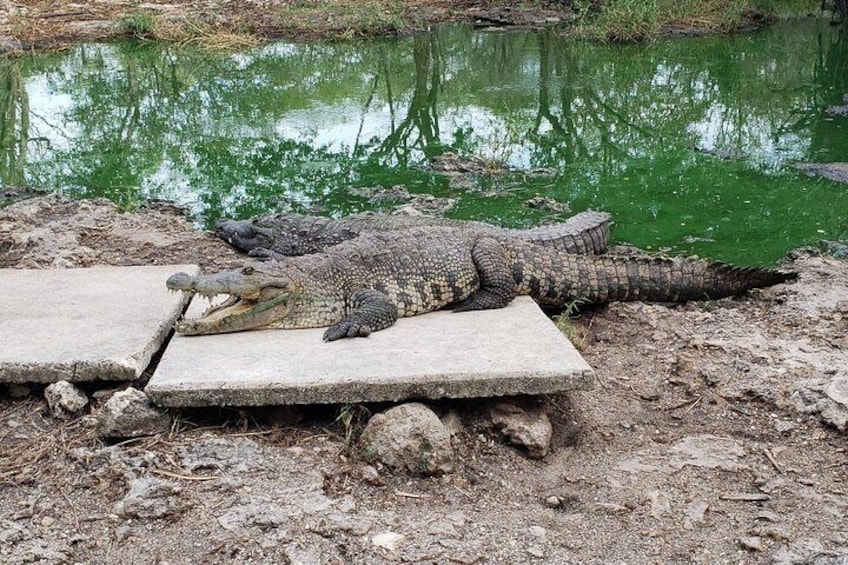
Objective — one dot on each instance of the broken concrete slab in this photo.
(99, 323)
(516, 350)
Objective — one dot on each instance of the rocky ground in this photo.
(716, 433)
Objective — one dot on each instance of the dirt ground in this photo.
(39, 24)
(716, 433)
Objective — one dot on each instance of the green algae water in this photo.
(690, 143)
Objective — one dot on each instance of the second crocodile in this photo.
(277, 236)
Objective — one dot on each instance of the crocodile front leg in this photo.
(497, 285)
(265, 254)
(370, 311)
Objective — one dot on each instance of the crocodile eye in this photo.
(248, 271)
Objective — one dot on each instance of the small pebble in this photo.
(370, 475)
(752, 543)
(553, 502)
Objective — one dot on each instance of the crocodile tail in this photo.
(602, 279)
(586, 233)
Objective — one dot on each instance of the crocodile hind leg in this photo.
(370, 311)
(497, 285)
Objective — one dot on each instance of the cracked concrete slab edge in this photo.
(352, 392)
(122, 369)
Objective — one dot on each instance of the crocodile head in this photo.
(244, 234)
(255, 300)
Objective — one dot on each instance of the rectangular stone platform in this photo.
(516, 350)
(100, 323)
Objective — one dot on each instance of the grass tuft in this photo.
(344, 18)
(138, 24)
(207, 37)
(635, 20)
(576, 334)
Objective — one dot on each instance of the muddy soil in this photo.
(716, 433)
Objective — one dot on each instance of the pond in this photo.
(690, 143)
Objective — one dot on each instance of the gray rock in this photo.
(752, 543)
(810, 551)
(297, 555)
(233, 455)
(530, 429)
(425, 204)
(42, 551)
(694, 514)
(826, 397)
(149, 497)
(452, 422)
(114, 459)
(13, 532)
(377, 194)
(708, 451)
(548, 204)
(387, 540)
(371, 476)
(129, 413)
(255, 513)
(65, 399)
(553, 501)
(409, 437)
(660, 503)
(833, 171)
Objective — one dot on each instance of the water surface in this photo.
(688, 142)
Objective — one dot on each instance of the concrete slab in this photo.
(100, 323)
(516, 350)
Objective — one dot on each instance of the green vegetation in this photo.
(345, 18)
(576, 334)
(143, 25)
(138, 24)
(641, 20)
(352, 418)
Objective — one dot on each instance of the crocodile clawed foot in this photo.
(347, 329)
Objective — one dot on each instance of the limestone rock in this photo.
(65, 399)
(826, 397)
(530, 429)
(833, 171)
(149, 498)
(235, 455)
(261, 514)
(387, 540)
(409, 437)
(708, 451)
(453, 422)
(129, 413)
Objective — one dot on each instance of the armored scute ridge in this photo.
(365, 284)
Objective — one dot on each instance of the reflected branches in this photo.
(235, 134)
(14, 124)
(419, 128)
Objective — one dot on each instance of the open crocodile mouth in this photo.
(238, 311)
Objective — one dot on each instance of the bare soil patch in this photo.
(716, 434)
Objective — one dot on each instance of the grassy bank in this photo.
(232, 24)
(641, 20)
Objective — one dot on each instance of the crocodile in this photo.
(365, 284)
(277, 236)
